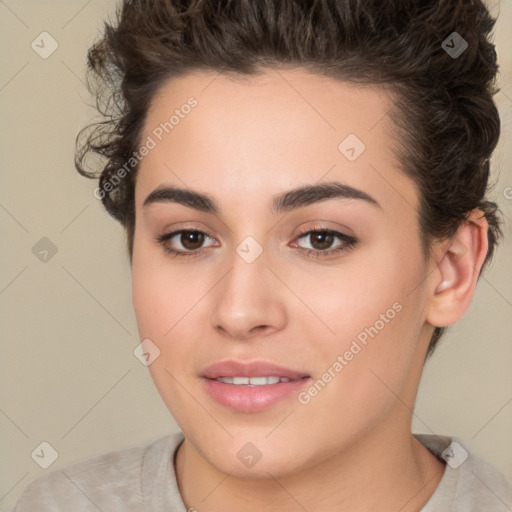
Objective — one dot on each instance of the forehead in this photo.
(272, 99)
(277, 128)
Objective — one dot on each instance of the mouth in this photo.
(240, 371)
(251, 387)
(253, 381)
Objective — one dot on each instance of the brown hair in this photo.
(447, 122)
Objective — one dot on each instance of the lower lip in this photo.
(252, 398)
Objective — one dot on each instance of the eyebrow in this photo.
(291, 200)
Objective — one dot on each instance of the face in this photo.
(260, 269)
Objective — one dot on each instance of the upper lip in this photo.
(231, 368)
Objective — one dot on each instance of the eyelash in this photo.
(348, 242)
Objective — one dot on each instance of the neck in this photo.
(387, 469)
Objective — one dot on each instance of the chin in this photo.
(242, 458)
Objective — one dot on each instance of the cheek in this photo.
(162, 293)
(147, 300)
(162, 301)
(353, 297)
(169, 305)
(372, 320)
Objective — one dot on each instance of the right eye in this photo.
(190, 240)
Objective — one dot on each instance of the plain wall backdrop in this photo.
(68, 373)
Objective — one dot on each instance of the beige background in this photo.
(68, 374)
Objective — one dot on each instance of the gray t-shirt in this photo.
(143, 479)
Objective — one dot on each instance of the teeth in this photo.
(252, 381)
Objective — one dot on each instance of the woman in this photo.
(303, 187)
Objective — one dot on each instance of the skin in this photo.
(247, 141)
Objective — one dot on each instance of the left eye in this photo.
(321, 241)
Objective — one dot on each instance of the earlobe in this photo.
(458, 269)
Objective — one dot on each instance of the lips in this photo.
(229, 384)
(232, 369)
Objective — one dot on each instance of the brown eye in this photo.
(325, 242)
(321, 240)
(192, 240)
(185, 242)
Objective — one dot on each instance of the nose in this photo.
(249, 301)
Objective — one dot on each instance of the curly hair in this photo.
(445, 117)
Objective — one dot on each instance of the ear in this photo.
(459, 261)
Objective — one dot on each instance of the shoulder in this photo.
(111, 481)
(469, 484)
(483, 487)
